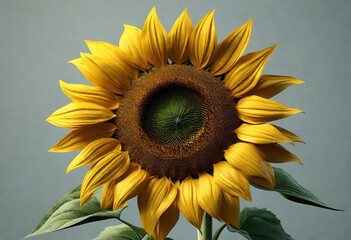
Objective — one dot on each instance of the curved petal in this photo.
(257, 110)
(261, 134)
(203, 41)
(111, 75)
(130, 186)
(155, 198)
(78, 139)
(188, 202)
(276, 153)
(209, 195)
(154, 40)
(108, 168)
(230, 209)
(130, 43)
(230, 49)
(105, 50)
(270, 85)
(106, 73)
(79, 114)
(84, 93)
(288, 134)
(247, 158)
(166, 222)
(247, 71)
(178, 38)
(231, 180)
(94, 151)
(107, 195)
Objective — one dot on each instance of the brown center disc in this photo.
(213, 129)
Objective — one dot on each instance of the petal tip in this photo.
(74, 61)
(270, 50)
(85, 55)
(49, 119)
(247, 196)
(153, 10)
(298, 81)
(211, 14)
(69, 168)
(52, 149)
(62, 84)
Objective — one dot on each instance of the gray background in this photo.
(38, 37)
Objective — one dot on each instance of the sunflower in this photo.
(176, 120)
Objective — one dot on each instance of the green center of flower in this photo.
(174, 115)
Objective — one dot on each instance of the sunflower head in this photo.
(177, 120)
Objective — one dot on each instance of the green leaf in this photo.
(260, 224)
(240, 231)
(68, 213)
(120, 232)
(287, 186)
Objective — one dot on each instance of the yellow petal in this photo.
(231, 180)
(276, 153)
(106, 73)
(79, 114)
(178, 38)
(261, 134)
(93, 77)
(270, 85)
(203, 41)
(257, 110)
(84, 93)
(94, 151)
(230, 209)
(166, 222)
(155, 198)
(78, 139)
(88, 74)
(262, 181)
(154, 40)
(247, 71)
(107, 195)
(288, 134)
(230, 49)
(246, 157)
(108, 168)
(130, 43)
(105, 50)
(209, 195)
(130, 186)
(111, 75)
(188, 202)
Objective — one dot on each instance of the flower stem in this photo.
(206, 228)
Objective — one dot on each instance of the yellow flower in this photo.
(176, 120)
